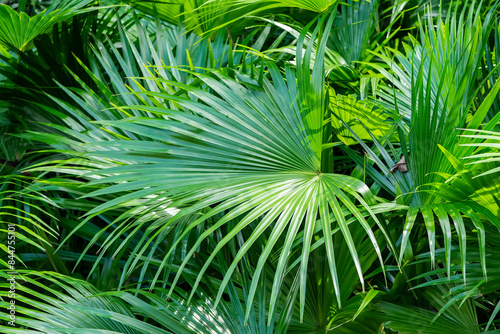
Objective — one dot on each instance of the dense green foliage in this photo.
(250, 166)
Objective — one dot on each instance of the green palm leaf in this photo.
(435, 92)
(18, 30)
(75, 309)
(356, 115)
(237, 151)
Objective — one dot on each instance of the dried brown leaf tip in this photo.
(400, 166)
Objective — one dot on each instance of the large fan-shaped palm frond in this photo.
(241, 150)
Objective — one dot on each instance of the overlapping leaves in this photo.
(18, 30)
(238, 150)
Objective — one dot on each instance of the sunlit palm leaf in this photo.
(18, 30)
(75, 310)
(435, 90)
(241, 152)
(356, 115)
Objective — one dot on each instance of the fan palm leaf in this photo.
(225, 155)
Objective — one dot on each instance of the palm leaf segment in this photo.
(244, 152)
(76, 309)
(18, 30)
(434, 95)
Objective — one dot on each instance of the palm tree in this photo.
(232, 167)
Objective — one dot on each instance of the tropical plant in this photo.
(264, 166)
